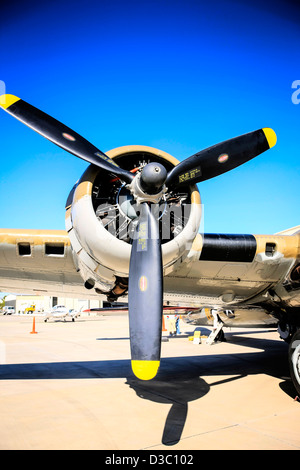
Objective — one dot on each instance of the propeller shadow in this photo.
(179, 380)
(177, 394)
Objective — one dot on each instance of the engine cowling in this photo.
(100, 218)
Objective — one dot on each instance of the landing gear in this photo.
(294, 360)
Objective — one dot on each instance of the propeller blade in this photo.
(61, 135)
(145, 296)
(221, 158)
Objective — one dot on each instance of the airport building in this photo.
(24, 303)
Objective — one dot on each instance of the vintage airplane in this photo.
(132, 228)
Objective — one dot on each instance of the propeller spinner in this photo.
(145, 291)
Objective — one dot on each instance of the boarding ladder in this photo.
(218, 325)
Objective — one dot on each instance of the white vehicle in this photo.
(61, 312)
(8, 310)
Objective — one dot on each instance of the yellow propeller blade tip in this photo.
(7, 100)
(270, 136)
(145, 370)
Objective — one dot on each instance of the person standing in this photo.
(172, 325)
(177, 323)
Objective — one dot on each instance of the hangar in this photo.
(45, 303)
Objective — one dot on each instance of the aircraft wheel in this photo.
(286, 331)
(73, 319)
(294, 360)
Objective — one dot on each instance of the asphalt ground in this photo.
(70, 387)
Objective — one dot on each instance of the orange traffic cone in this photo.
(163, 324)
(33, 332)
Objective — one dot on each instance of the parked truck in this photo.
(30, 309)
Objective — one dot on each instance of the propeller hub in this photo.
(149, 185)
(153, 178)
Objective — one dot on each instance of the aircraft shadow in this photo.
(178, 381)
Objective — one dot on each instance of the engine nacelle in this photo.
(101, 215)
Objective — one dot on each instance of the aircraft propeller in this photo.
(145, 292)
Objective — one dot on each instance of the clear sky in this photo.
(176, 75)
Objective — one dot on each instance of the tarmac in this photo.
(70, 386)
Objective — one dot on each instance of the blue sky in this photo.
(176, 75)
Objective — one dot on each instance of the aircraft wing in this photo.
(39, 262)
(221, 270)
(224, 270)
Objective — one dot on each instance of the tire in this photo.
(294, 360)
